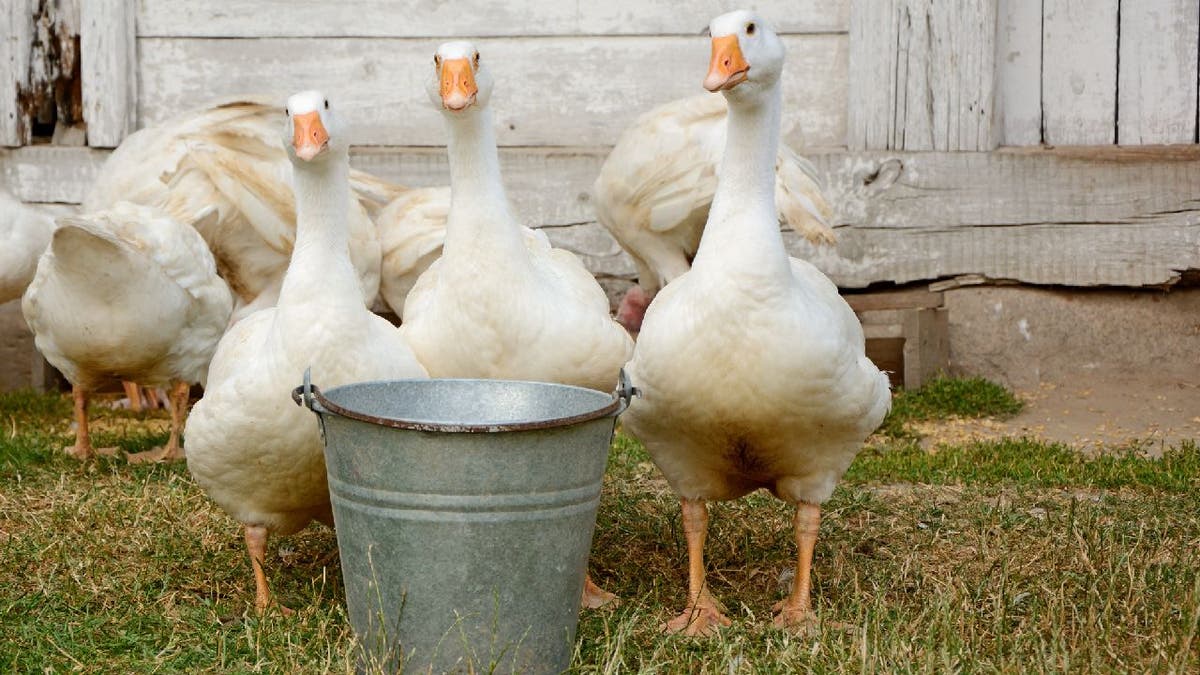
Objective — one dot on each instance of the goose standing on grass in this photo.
(501, 302)
(132, 293)
(24, 235)
(656, 186)
(258, 455)
(751, 366)
(228, 156)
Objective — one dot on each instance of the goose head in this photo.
(312, 129)
(747, 55)
(460, 81)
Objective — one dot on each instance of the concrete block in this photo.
(1022, 336)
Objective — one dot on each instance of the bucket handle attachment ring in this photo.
(305, 395)
(625, 391)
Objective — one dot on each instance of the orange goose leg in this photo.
(704, 614)
(795, 612)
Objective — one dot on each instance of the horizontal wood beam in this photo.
(1079, 216)
(467, 18)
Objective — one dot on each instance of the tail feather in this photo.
(374, 193)
(802, 205)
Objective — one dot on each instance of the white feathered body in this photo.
(535, 315)
(760, 385)
(128, 292)
(24, 235)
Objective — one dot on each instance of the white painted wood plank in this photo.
(555, 91)
(108, 47)
(16, 35)
(467, 18)
(1071, 216)
(1019, 71)
(1079, 72)
(922, 75)
(971, 57)
(872, 76)
(1157, 79)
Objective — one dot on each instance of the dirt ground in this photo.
(1093, 412)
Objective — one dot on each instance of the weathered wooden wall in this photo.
(902, 104)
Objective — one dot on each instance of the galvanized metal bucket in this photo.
(464, 512)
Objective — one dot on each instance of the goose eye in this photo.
(327, 104)
(437, 61)
(476, 59)
(287, 113)
(749, 29)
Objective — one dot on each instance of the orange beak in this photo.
(728, 67)
(458, 84)
(309, 135)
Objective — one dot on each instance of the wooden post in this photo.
(926, 345)
(922, 75)
(108, 43)
(16, 38)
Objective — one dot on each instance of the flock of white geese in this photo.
(235, 247)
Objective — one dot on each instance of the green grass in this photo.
(1029, 463)
(947, 397)
(1009, 556)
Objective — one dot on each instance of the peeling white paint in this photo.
(1023, 329)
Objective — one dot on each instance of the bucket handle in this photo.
(304, 394)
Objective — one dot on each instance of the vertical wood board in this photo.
(1019, 71)
(108, 43)
(16, 38)
(922, 75)
(871, 100)
(1079, 72)
(1157, 78)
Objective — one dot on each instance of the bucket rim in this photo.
(313, 398)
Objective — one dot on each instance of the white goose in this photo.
(500, 302)
(257, 454)
(228, 156)
(127, 292)
(751, 366)
(24, 235)
(655, 188)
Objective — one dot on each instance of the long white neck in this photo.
(320, 268)
(743, 225)
(480, 219)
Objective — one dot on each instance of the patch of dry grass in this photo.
(989, 560)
